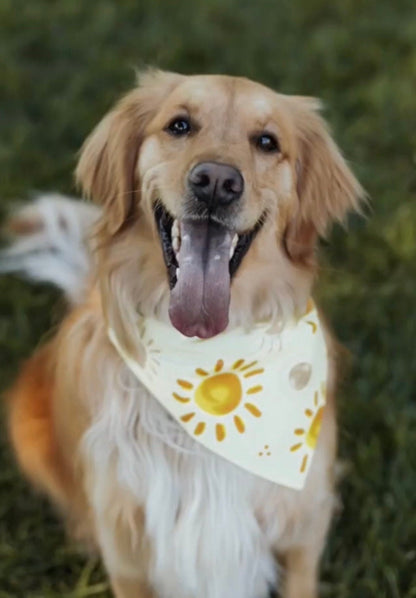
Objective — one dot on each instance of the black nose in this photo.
(216, 184)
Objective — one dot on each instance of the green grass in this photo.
(62, 66)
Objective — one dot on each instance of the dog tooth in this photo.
(175, 244)
(233, 245)
(175, 229)
(177, 273)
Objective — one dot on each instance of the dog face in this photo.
(219, 146)
(220, 166)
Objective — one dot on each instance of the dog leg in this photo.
(127, 588)
(302, 566)
(302, 560)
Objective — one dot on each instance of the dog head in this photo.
(220, 188)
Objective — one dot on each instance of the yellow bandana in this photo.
(255, 398)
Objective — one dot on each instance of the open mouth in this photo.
(201, 257)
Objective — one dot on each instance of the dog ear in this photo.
(107, 166)
(326, 189)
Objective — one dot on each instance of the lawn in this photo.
(63, 63)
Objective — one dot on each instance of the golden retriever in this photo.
(251, 178)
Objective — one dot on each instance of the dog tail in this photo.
(49, 243)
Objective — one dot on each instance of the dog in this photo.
(212, 194)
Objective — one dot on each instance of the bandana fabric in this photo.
(255, 397)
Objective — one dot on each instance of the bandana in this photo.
(254, 397)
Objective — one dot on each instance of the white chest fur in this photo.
(204, 535)
(211, 526)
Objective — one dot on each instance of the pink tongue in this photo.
(200, 300)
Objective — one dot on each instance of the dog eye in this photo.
(179, 127)
(266, 142)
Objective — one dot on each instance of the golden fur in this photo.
(63, 393)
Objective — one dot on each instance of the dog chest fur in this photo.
(211, 528)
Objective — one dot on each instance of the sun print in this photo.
(308, 436)
(221, 392)
(266, 451)
(151, 353)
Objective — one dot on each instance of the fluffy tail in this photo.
(50, 243)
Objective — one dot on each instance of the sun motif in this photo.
(310, 434)
(151, 354)
(219, 393)
(310, 306)
(266, 451)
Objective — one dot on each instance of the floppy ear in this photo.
(326, 188)
(107, 166)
